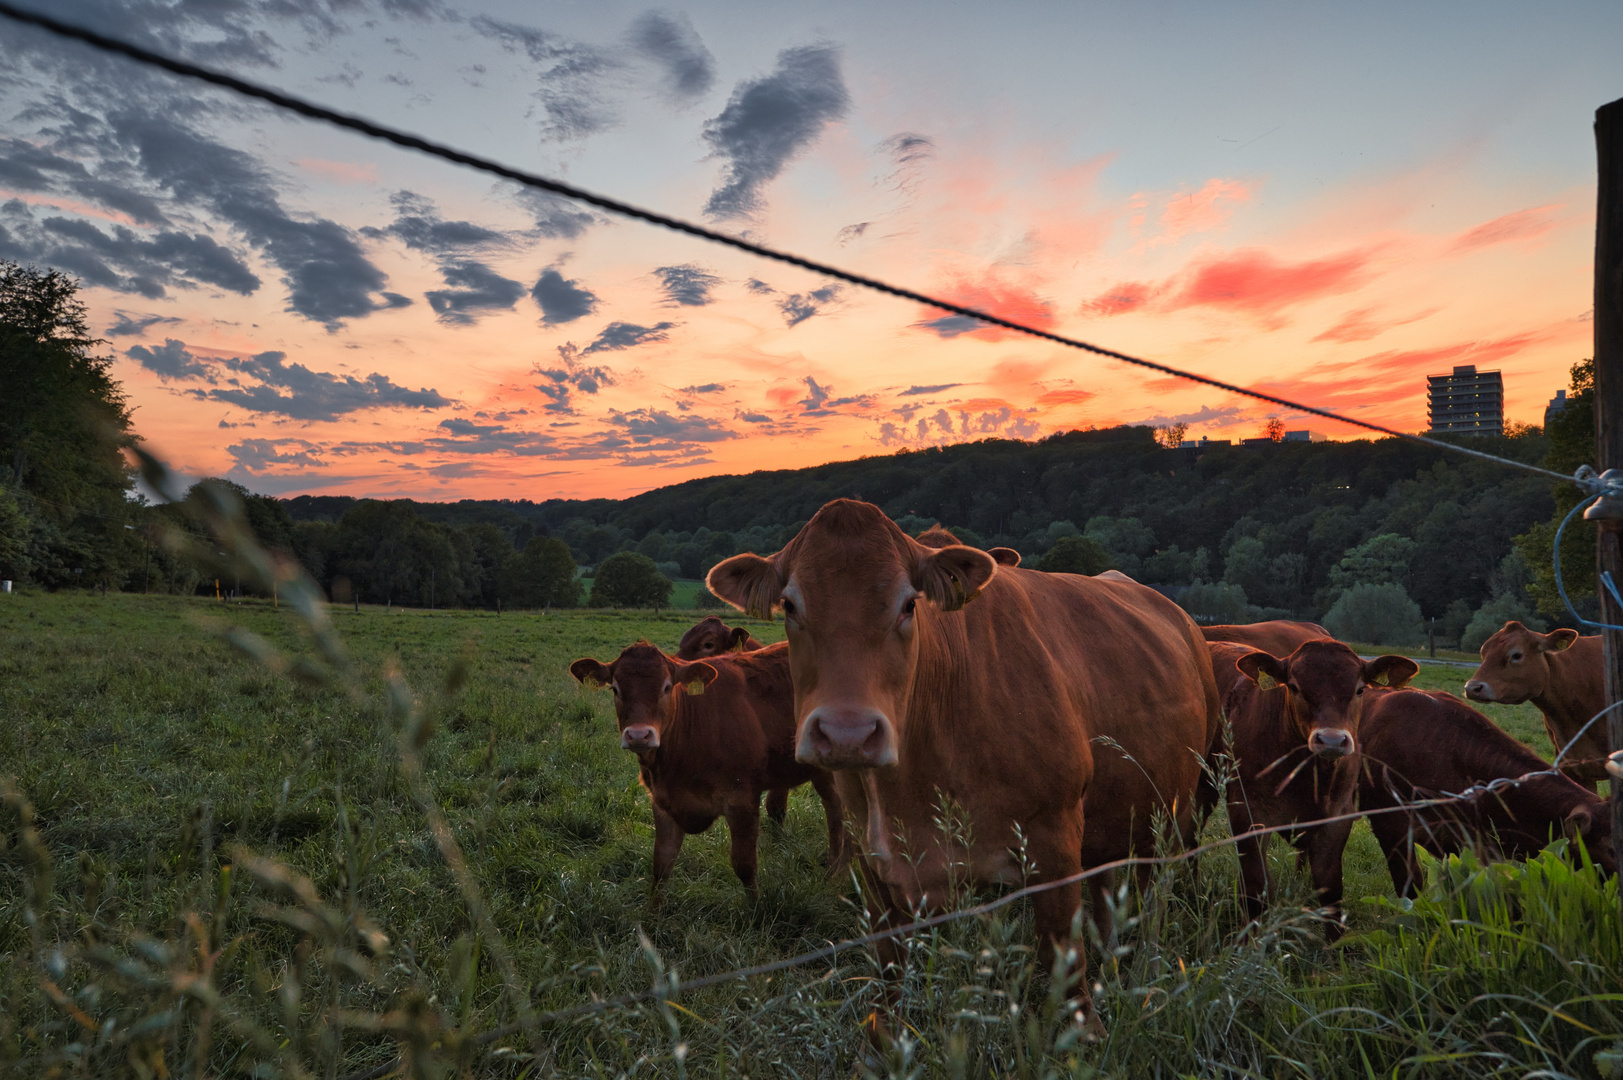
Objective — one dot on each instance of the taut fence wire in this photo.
(311, 110)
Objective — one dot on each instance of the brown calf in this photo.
(1424, 745)
(937, 537)
(1277, 636)
(923, 673)
(711, 637)
(1295, 728)
(1562, 674)
(710, 737)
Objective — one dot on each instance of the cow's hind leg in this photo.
(839, 848)
(1055, 852)
(1102, 894)
(777, 805)
(744, 825)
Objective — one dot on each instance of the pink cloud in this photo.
(1254, 281)
(1360, 325)
(1199, 211)
(1119, 299)
(1522, 225)
(1013, 302)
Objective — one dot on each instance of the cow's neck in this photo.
(1565, 698)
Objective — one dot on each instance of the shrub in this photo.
(705, 600)
(1379, 614)
(1495, 614)
(541, 575)
(1076, 555)
(1215, 602)
(627, 579)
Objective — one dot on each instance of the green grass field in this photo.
(217, 847)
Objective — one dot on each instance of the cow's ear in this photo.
(1005, 556)
(1264, 669)
(591, 673)
(952, 576)
(696, 676)
(748, 582)
(1393, 671)
(1557, 640)
(739, 637)
(1578, 822)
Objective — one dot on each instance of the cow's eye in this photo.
(1515, 658)
(788, 607)
(616, 688)
(1360, 690)
(909, 605)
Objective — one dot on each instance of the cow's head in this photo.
(857, 594)
(1514, 666)
(645, 683)
(711, 637)
(1323, 683)
(1594, 825)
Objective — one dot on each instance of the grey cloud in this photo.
(556, 218)
(815, 394)
(123, 259)
(573, 375)
(569, 73)
(770, 120)
(754, 418)
(851, 232)
(171, 360)
(686, 285)
(798, 307)
(294, 391)
(707, 388)
(561, 299)
(457, 426)
(1227, 414)
(624, 335)
(950, 326)
(670, 41)
(328, 277)
(479, 288)
(648, 425)
(257, 454)
(126, 324)
(915, 391)
(419, 226)
(759, 287)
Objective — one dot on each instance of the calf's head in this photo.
(1323, 683)
(1515, 664)
(711, 637)
(1593, 823)
(645, 683)
(857, 595)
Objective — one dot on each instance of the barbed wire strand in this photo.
(362, 126)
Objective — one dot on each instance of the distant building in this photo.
(1556, 407)
(1203, 443)
(1468, 402)
(1303, 436)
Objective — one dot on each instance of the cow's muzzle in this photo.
(1477, 690)
(835, 737)
(1331, 742)
(639, 737)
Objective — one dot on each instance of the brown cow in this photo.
(711, 637)
(710, 737)
(1295, 728)
(915, 696)
(1562, 674)
(937, 537)
(1424, 745)
(1277, 636)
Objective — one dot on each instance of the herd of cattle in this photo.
(1071, 718)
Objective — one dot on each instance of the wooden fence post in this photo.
(1609, 409)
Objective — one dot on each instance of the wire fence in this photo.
(670, 985)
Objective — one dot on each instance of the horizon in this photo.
(1327, 205)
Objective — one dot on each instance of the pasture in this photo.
(229, 873)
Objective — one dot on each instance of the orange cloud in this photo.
(1012, 302)
(1256, 282)
(1198, 211)
(1360, 326)
(1119, 299)
(1522, 225)
(1055, 399)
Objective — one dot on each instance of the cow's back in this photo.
(1277, 636)
(1018, 691)
(742, 724)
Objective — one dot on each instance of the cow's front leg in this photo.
(1325, 846)
(667, 843)
(744, 827)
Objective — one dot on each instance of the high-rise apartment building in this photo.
(1468, 402)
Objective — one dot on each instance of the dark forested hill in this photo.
(1277, 520)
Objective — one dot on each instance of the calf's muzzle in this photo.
(639, 737)
(1477, 690)
(848, 737)
(1331, 742)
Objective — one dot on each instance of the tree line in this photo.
(1282, 529)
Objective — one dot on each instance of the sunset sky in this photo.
(1326, 201)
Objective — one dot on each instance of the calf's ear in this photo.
(1264, 669)
(1005, 556)
(748, 582)
(591, 673)
(739, 637)
(695, 677)
(1393, 671)
(953, 576)
(1557, 640)
(1578, 823)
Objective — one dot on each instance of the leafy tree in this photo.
(63, 422)
(1571, 435)
(1216, 603)
(1076, 555)
(1247, 566)
(627, 579)
(705, 600)
(1380, 614)
(1380, 559)
(543, 575)
(1493, 615)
